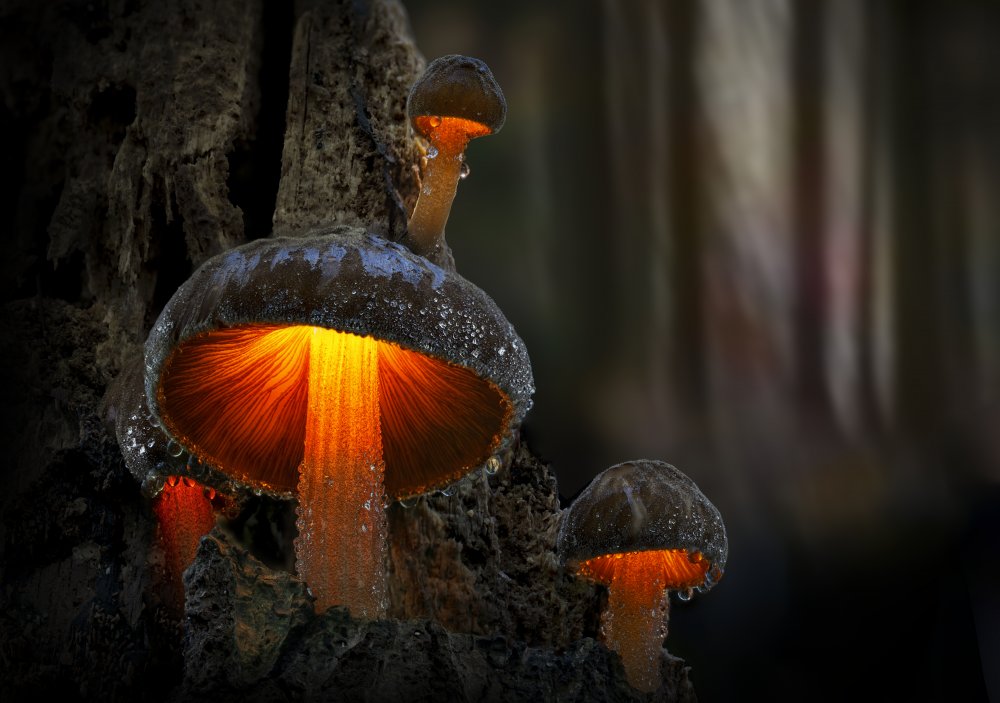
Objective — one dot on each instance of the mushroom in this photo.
(454, 101)
(643, 528)
(185, 513)
(341, 369)
(184, 509)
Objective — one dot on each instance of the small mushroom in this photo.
(454, 101)
(643, 528)
(185, 513)
(183, 508)
(341, 369)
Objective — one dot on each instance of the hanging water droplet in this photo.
(492, 465)
(174, 449)
(685, 595)
(465, 170)
(408, 502)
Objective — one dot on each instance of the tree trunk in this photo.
(141, 139)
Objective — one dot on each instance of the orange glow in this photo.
(634, 624)
(342, 419)
(237, 398)
(184, 514)
(675, 568)
(341, 545)
(450, 134)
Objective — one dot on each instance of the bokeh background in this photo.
(760, 239)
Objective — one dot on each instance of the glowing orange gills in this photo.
(237, 398)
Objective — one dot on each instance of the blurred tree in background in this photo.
(762, 241)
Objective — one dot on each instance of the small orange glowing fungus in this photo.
(643, 529)
(184, 514)
(184, 509)
(341, 369)
(454, 101)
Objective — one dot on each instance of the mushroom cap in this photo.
(475, 389)
(458, 86)
(642, 505)
(148, 453)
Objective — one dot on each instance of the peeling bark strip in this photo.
(348, 154)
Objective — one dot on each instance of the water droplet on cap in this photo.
(492, 465)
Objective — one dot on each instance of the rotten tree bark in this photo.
(145, 137)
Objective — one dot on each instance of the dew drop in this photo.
(448, 491)
(174, 449)
(492, 465)
(464, 172)
(408, 502)
(685, 595)
(434, 121)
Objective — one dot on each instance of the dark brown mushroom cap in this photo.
(458, 86)
(642, 505)
(148, 452)
(349, 280)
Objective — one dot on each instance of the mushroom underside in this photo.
(237, 398)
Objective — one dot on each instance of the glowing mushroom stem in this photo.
(634, 624)
(184, 514)
(341, 546)
(448, 138)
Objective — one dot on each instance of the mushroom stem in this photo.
(184, 514)
(633, 595)
(448, 138)
(437, 192)
(341, 545)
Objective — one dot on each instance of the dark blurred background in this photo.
(759, 239)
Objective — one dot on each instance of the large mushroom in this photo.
(457, 99)
(341, 369)
(643, 528)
